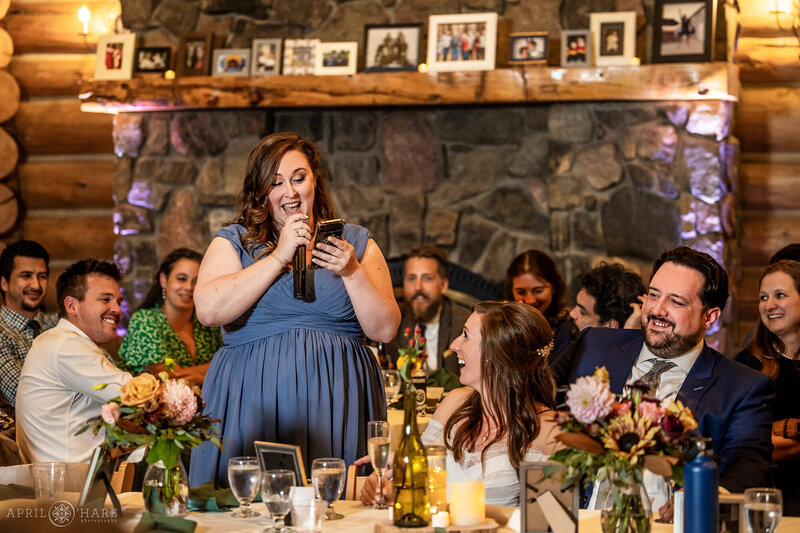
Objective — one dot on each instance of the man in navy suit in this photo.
(688, 290)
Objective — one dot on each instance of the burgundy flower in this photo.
(672, 427)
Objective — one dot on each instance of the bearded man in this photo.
(688, 290)
(425, 306)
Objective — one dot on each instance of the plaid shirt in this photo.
(16, 337)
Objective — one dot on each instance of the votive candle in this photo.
(467, 503)
(440, 519)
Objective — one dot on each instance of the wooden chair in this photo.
(21, 475)
(122, 480)
(353, 483)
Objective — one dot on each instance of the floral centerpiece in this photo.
(411, 356)
(612, 439)
(158, 418)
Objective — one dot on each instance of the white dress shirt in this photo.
(432, 341)
(55, 396)
(671, 380)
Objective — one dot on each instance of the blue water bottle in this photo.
(701, 484)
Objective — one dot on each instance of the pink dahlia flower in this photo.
(651, 410)
(180, 403)
(589, 398)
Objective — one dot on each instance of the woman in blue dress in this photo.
(291, 371)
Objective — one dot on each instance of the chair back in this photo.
(122, 480)
(21, 475)
(353, 484)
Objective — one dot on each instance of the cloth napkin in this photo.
(207, 498)
(12, 490)
(157, 522)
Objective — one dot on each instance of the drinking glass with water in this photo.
(391, 385)
(276, 491)
(244, 476)
(763, 508)
(327, 475)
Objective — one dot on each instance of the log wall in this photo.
(767, 118)
(66, 160)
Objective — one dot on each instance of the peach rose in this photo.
(110, 412)
(140, 390)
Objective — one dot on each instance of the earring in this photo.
(163, 294)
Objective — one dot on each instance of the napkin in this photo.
(157, 522)
(207, 498)
(12, 490)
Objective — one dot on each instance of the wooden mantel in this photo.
(678, 81)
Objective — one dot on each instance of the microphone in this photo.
(299, 272)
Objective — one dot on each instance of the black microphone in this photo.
(299, 272)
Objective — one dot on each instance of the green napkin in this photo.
(441, 377)
(12, 490)
(157, 522)
(207, 498)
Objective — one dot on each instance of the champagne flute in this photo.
(244, 476)
(276, 486)
(763, 508)
(391, 385)
(378, 448)
(327, 475)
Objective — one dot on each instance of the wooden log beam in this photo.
(58, 127)
(6, 48)
(66, 184)
(72, 237)
(758, 19)
(54, 26)
(689, 81)
(769, 61)
(9, 153)
(764, 233)
(9, 208)
(4, 7)
(42, 75)
(770, 186)
(767, 119)
(9, 96)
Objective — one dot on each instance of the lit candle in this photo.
(169, 74)
(84, 16)
(440, 519)
(636, 61)
(467, 503)
(423, 67)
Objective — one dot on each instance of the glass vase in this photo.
(166, 491)
(626, 507)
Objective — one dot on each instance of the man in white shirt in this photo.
(56, 393)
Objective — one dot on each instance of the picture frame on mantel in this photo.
(339, 58)
(231, 62)
(194, 54)
(299, 56)
(266, 57)
(115, 57)
(527, 48)
(683, 31)
(392, 47)
(576, 48)
(472, 39)
(613, 37)
(153, 59)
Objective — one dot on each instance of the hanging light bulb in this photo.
(84, 15)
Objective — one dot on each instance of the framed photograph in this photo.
(299, 56)
(527, 48)
(462, 42)
(273, 456)
(731, 513)
(153, 59)
(544, 501)
(266, 57)
(392, 48)
(613, 37)
(115, 55)
(336, 58)
(194, 55)
(683, 31)
(231, 62)
(576, 48)
(98, 483)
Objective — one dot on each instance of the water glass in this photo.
(307, 515)
(763, 508)
(276, 491)
(244, 477)
(48, 480)
(378, 449)
(327, 475)
(391, 385)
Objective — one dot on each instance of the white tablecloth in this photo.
(395, 418)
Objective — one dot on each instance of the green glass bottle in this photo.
(410, 470)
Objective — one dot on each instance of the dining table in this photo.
(395, 419)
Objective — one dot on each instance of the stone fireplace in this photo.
(584, 181)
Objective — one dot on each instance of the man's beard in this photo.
(424, 310)
(28, 307)
(668, 345)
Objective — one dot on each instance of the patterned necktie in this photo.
(35, 327)
(652, 379)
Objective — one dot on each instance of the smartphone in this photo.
(328, 228)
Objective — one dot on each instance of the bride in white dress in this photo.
(503, 415)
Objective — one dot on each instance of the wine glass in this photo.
(244, 476)
(276, 486)
(378, 448)
(327, 475)
(391, 385)
(762, 509)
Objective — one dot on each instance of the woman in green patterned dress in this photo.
(165, 325)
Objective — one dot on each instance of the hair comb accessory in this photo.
(544, 351)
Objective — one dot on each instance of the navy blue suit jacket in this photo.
(731, 402)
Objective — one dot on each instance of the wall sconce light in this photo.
(84, 15)
(791, 8)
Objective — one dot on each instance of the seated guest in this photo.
(688, 290)
(165, 325)
(57, 394)
(533, 278)
(609, 297)
(503, 415)
(425, 306)
(775, 351)
(24, 271)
